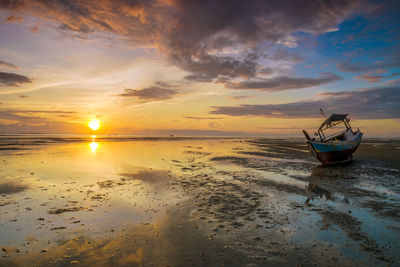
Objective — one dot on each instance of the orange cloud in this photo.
(13, 18)
(375, 78)
(34, 29)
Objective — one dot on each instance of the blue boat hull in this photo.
(334, 152)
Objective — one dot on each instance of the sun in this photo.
(94, 124)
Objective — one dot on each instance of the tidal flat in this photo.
(134, 201)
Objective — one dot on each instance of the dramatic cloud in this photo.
(195, 35)
(204, 26)
(13, 79)
(150, 94)
(377, 103)
(284, 83)
(7, 65)
(375, 78)
(207, 68)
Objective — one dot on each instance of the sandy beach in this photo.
(132, 201)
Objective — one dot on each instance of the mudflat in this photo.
(133, 201)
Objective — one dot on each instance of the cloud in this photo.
(206, 68)
(26, 115)
(166, 84)
(17, 117)
(35, 121)
(284, 83)
(203, 26)
(393, 83)
(7, 65)
(34, 29)
(47, 111)
(153, 93)
(289, 41)
(25, 121)
(13, 79)
(348, 66)
(375, 78)
(193, 34)
(266, 71)
(375, 103)
(240, 97)
(282, 54)
(13, 18)
(203, 118)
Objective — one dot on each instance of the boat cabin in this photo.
(336, 120)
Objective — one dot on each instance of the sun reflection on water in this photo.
(94, 146)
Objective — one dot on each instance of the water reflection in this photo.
(94, 146)
(320, 191)
(331, 183)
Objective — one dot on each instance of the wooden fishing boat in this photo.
(335, 148)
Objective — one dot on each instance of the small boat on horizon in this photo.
(337, 147)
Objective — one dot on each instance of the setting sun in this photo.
(94, 124)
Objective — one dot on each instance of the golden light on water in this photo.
(94, 124)
(94, 146)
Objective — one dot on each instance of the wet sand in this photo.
(195, 202)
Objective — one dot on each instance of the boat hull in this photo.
(334, 153)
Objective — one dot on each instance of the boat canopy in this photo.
(330, 122)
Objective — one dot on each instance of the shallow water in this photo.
(78, 199)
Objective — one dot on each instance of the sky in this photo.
(187, 67)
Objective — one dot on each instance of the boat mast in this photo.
(320, 132)
(346, 122)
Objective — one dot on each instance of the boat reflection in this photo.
(323, 183)
(320, 191)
